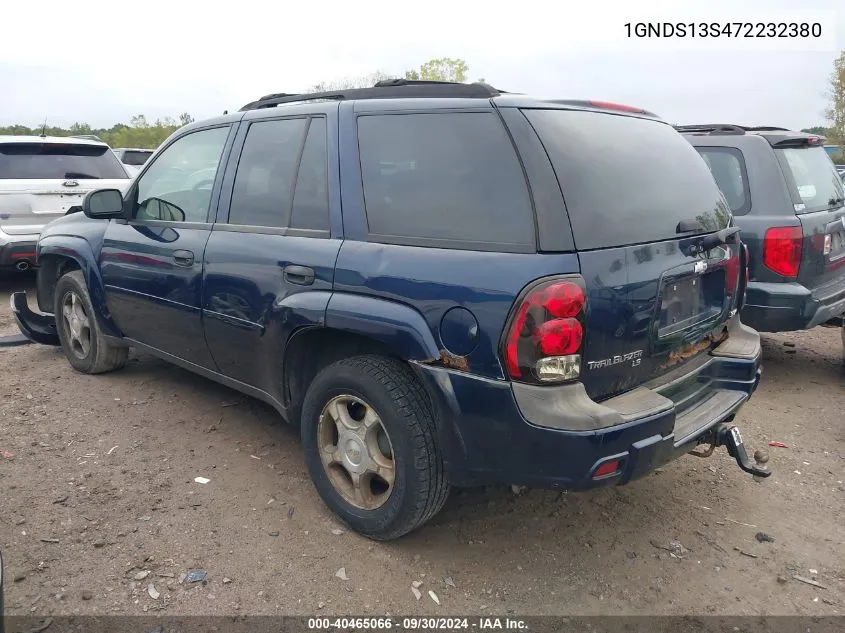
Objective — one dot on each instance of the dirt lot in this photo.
(97, 489)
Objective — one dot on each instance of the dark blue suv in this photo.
(442, 284)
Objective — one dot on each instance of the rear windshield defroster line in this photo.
(627, 180)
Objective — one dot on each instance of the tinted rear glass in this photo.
(814, 178)
(136, 158)
(627, 180)
(728, 168)
(447, 177)
(60, 161)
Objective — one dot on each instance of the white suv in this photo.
(43, 178)
(133, 158)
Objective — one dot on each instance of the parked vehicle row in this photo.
(786, 196)
(440, 284)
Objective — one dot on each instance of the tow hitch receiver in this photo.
(730, 437)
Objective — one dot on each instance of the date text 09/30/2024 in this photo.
(484, 623)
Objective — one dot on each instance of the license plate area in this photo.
(690, 302)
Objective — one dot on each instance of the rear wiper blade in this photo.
(718, 238)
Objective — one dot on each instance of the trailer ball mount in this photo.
(728, 435)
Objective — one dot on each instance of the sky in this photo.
(103, 61)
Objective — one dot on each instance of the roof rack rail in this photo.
(766, 128)
(90, 137)
(712, 128)
(391, 88)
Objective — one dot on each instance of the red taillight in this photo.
(782, 248)
(607, 105)
(732, 272)
(559, 337)
(545, 337)
(746, 256)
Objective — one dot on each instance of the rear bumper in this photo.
(773, 307)
(506, 433)
(38, 328)
(17, 251)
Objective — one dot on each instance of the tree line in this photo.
(138, 133)
(141, 133)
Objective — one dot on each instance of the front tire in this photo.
(371, 447)
(82, 340)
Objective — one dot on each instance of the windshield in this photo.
(136, 158)
(815, 181)
(58, 161)
(627, 180)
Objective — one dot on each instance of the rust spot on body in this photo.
(448, 360)
(694, 349)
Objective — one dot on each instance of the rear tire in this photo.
(82, 340)
(346, 408)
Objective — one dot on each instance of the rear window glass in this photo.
(136, 158)
(627, 180)
(444, 177)
(59, 161)
(814, 179)
(728, 168)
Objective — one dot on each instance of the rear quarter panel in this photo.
(433, 281)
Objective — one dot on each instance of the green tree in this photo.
(440, 69)
(816, 129)
(349, 83)
(139, 133)
(185, 118)
(836, 110)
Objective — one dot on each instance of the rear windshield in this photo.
(135, 157)
(627, 180)
(815, 182)
(59, 161)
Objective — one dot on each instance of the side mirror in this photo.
(104, 204)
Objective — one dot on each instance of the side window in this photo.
(311, 196)
(264, 182)
(728, 169)
(177, 186)
(443, 177)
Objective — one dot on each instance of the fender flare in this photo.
(400, 327)
(79, 250)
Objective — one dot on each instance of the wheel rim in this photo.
(77, 325)
(356, 452)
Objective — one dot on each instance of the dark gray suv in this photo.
(788, 199)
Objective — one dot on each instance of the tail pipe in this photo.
(23, 265)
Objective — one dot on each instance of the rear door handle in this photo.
(183, 258)
(299, 275)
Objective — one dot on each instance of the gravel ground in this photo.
(101, 513)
